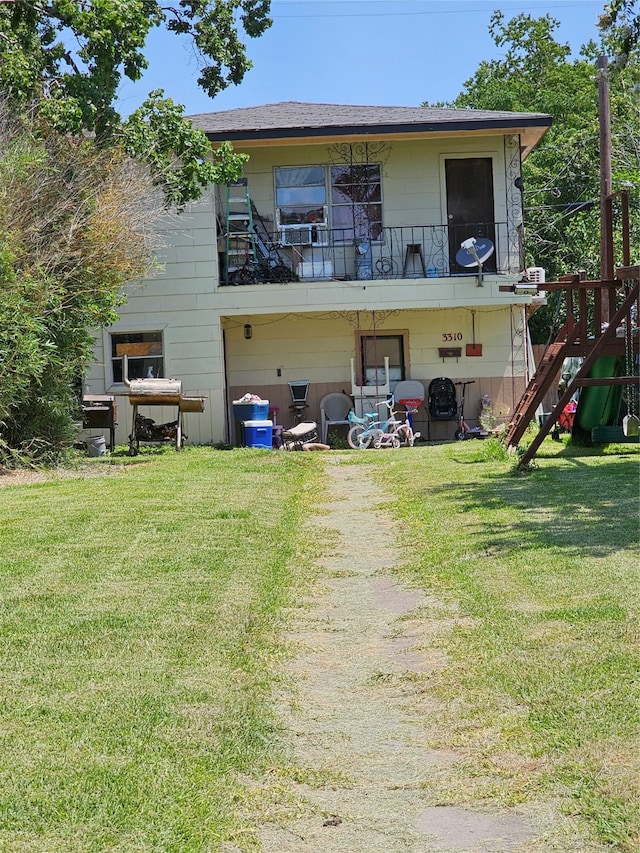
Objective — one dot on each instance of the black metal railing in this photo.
(315, 253)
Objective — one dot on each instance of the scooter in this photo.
(464, 431)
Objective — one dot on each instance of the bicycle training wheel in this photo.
(357, 438)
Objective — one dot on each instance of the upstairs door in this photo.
(470, 208)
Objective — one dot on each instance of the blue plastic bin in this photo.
(258, 434)
(257, 410)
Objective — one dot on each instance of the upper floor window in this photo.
(301, 194)
(356, 201)
(352, 194)
(144, 355)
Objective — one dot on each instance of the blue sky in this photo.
(375, 52)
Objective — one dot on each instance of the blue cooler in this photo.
(258, 434)
(256, 410)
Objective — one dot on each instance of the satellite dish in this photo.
(474, 251)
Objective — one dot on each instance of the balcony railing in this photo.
(315, 253)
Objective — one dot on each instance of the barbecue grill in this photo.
(158, 392)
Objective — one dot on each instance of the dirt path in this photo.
(357, 722)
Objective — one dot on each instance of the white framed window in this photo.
(372, 351)
(347, 198)
(301, 195)
(145, 355)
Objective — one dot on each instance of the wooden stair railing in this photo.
(582, 376)
(539, 384)
(535, 392)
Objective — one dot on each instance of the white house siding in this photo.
(413, 175)
(301, 328)
(179, 302)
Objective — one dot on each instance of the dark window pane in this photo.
(144, 355)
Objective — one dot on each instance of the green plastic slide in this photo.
(599, 405)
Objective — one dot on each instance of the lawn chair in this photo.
(334, 409)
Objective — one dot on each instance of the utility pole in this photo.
(606, 212)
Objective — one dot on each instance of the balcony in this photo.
(315, 253)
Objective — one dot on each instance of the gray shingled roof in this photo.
(295, 118)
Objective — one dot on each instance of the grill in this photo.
(147, 391)
(100, 411)
(159, 392)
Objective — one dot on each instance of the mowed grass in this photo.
(542, 574)
(140, 623)
(139, 644)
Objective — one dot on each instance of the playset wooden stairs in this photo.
(585, 334)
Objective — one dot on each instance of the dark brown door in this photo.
(470, 210)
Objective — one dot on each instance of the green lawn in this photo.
(544, 571)
(140, 626)
(139, 633)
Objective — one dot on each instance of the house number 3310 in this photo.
(451, 336)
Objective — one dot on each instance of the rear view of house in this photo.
(362, 247)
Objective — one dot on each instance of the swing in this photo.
(630, 422)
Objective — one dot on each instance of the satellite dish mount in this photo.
(474, 253)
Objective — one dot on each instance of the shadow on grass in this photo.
(586, 508)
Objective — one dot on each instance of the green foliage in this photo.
(74, 54)
(70, 58)
(76, 205)
(620, 26)
(76, 223)
(561, 178)
(178, 156)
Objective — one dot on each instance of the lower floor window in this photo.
(373, 349)
(144, 355)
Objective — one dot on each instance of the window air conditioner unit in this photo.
(310, 232)
(296, 236)
(536, 274)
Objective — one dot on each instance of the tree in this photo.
(76, 223)
(80, 187)
(620, 27)
(69, 56)
(561, 176)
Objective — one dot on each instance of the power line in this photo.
(367, 12)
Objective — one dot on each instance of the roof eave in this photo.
(531, 132)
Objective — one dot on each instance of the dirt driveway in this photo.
(357, 716)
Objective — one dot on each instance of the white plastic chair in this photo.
(334, 409)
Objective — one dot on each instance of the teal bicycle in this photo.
(371, 430)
